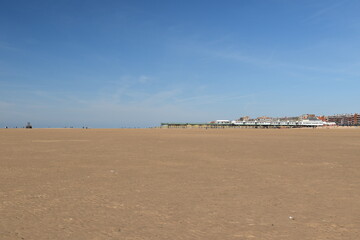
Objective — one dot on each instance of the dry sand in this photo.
(180, 184)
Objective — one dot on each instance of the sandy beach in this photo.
(180, 184)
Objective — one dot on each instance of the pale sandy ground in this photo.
(180, 184)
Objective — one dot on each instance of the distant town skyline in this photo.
(139, 63)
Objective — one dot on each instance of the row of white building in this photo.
(274, 123)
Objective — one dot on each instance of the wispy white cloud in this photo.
(112, 109)
(4, 104)
(6, 46)
(325, 10)
(307, 58)
(273, 62)
(144, 79)
(210, 99)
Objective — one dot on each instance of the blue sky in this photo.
(139, 63)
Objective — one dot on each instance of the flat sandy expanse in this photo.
(180, 184)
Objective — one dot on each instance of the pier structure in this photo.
(248, 124)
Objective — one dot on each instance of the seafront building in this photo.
(305, 120)
(344, 119)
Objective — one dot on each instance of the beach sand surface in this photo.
(180, 184)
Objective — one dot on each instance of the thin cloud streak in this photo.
(149, 110)
(325, 10)
(210, 99)
(273, 63)
(8, 47)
